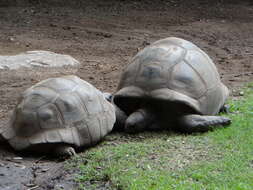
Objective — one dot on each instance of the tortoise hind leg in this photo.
(64, 150)
(199, 123)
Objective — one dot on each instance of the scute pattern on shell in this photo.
(173, 70)
(60, 110)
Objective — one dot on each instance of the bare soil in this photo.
(103, 36)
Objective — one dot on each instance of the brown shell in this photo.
(60, 110)
(172, 70)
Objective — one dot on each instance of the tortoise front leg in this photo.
(139, 121)
(199, 123)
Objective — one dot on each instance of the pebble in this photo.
(30, 185)
(17, 158)
(45, 170)
(20, 166)
(58, 186)
(241, 93)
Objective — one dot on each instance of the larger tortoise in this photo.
(171, 84)
(59, 115)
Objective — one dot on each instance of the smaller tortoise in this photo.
(171, 84)
(59, 115)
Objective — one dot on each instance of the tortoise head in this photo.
(24, 122)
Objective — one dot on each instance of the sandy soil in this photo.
(103, 36)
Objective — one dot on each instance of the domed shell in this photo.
(173, 70)
(60, 110)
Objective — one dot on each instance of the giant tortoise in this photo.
(171, 84)
(59, 115)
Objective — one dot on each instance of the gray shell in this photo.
(172, 70)
(60, 110)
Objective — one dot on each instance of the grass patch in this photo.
(221, 159)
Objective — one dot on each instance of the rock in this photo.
(12, 39)
(17, 158)
(241, 93)
(36, 59)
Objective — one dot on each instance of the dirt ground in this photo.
(103, 36)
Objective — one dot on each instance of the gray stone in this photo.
(36, 59)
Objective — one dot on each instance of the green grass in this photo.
(221, 159)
